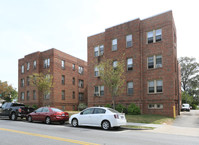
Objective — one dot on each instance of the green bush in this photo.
(34, 106)
(82, 106)
(121, 108)
(133, 109)
(194, 106)
(108, 106)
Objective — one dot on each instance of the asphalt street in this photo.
(25, 133)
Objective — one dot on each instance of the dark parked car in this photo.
(15, 110)
(48, 115)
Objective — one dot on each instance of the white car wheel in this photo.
(74, 123)
(105, 125)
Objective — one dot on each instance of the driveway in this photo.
(188, 119)
(186, 124)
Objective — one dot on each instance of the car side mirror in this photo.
(81, 113)
(0, 107)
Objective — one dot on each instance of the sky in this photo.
(27, 26)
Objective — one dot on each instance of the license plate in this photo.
(122, 117)
(63, 115)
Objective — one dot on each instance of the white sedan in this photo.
(98, 117)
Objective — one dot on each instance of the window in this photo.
(22, 69)
(129, 42)
(115, 64)
(73, 95)
(47, 63)
(81, 70)
(28, 65)
(81, 83)
(99, 50)
(81, 96)
(155, 86)
(34, 64)
(28, 95)
(22, 82)
(96, 49)
(96, 71)
(130, 88)
(22, 96)
(45, 109)
(63, 79)
(63, 64)
(114, 44)
(151, 87)
(28, 81)
(158, 35)
(63, 108)
(155, 61)
(47, 96)
(155, 106)
(87, 111)
(99, 111)
(73, 66)
(99, 91)
(130, 64)
(73, 81)
(63, 94)
(150, 37)
(154, 36)
(34, 95)
(159, 86)
(158, 61)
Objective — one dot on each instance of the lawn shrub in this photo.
(108, 106)
(82, 106)
(133, 109)
(121, 108)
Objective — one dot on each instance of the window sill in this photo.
(154, 42)
(154, 68)
(155, 93)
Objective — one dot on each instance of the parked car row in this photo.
(103, 117)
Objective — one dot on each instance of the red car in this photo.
(48, 115)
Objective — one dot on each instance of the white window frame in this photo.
(22, 69)
(63, 64)
(154, 35)
(81, 70)
(115, 62)
(155, 86)
(99, 91)
(155, 106)
(28, 65)
(129, 38)
(96, 71)
(34, 64)
(129, 88)
(22, 96)
(114, 45)
(98, 50)
(73, 66)
(155, 65)
(128, 68)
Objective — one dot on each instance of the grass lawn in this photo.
(153, 119)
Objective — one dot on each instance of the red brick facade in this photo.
(71, 89)
(163, 76)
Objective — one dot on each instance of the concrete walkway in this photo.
(170, 129)
(144, 124)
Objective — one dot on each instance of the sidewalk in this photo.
(144, 124)
(176, 130)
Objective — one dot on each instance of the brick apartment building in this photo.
(69, 79)
(152, 71)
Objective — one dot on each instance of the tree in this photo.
(189, 73)
(112, 77)
(7, 92)
(43, 82)
(189, 80)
